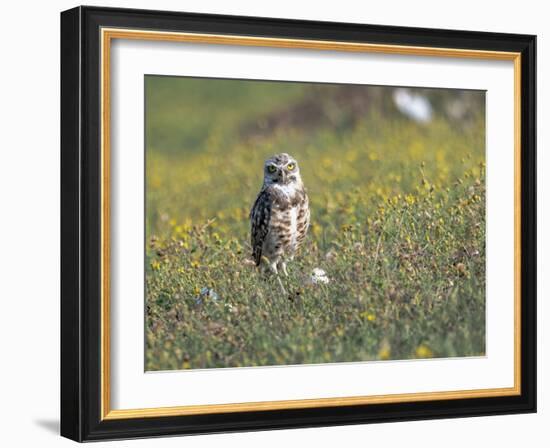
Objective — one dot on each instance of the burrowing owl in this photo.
(280, 215)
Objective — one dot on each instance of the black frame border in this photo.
(81, 223)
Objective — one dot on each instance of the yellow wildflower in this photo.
(368, 316)
(385, 351)
(423, 351)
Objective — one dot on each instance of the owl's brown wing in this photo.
(303, 218)
(259, 224)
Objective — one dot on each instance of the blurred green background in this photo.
(207, 139)
(395, 178)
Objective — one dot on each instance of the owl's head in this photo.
(282, 169)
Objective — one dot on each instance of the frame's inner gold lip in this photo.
(116, 414)
(107, 34)
(224, 39)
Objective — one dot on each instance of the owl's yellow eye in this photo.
(290, 166)
(271, 168)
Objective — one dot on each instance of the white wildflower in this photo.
(206, 294)
(318, 276)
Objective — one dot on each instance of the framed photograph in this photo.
(276, 224)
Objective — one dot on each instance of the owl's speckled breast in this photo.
(289, 221)
(283, 228)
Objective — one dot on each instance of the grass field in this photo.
(398, 225)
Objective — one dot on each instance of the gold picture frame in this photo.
(109, 34)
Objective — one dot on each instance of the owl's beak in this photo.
(282, 176)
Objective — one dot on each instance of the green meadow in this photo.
(397, 224)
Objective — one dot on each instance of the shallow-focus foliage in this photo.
(398, 228)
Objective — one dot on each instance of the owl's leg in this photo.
(282, 265)
(273, 267)
(275, 270)
(283, 290)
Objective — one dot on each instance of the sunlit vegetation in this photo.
(398, 225)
